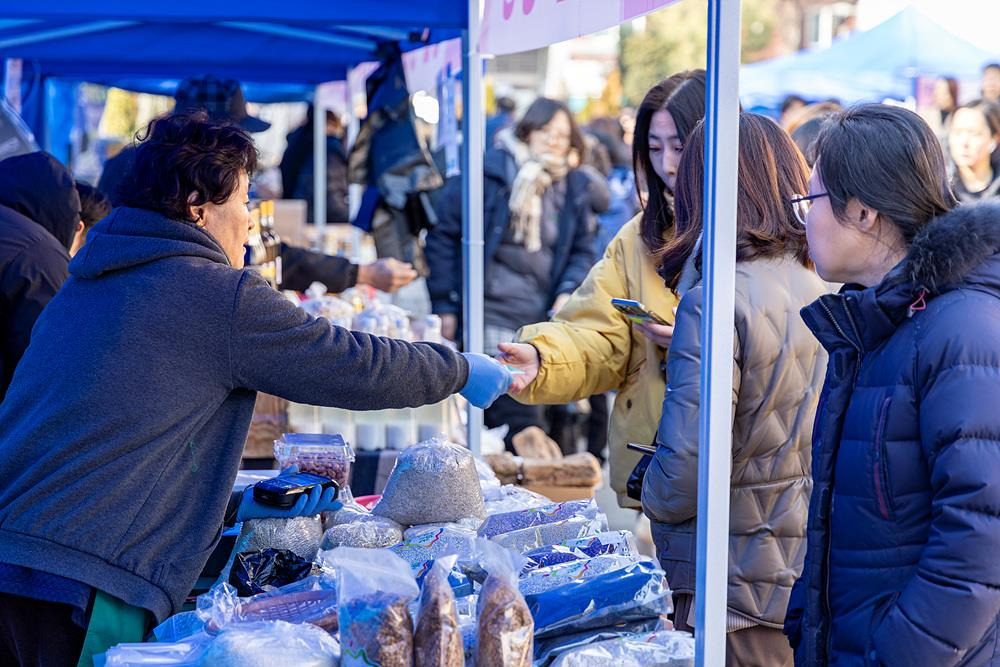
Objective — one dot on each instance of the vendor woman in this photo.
(121, 434)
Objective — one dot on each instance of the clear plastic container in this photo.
(319, 453)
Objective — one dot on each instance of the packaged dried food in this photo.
(437, 641)
(371, 532)
(184, 653)
(349, 511)
(432, 482)
(551, 533)
(547, 650)
(574, 572)
(459, 581)
(637, 591)
(326, 455)
(510, 498)
(620, 542)
(505, 628)
(272, 644)
(664, 648)
(311, 601)
(256, 572)
(488, 480)
(470, 524)
(536, 516)
(375, 589)
(300, 535)
(436, 543)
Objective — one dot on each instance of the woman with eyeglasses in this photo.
(540, 217)
(777, 370)
(902, 565)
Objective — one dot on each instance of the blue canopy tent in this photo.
(880, 63)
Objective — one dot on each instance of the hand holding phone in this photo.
(637, 312)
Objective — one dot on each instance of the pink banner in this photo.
(423, 65)
(510, 26)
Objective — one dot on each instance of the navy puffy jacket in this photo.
(903, 561)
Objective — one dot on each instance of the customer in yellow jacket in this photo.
(589, 347)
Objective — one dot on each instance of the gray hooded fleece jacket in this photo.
(121, 434)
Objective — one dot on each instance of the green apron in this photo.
(112, 622)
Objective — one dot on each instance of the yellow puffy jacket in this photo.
(589, 348)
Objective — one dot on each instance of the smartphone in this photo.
(645, 449)
(283, 491)
(636, 312)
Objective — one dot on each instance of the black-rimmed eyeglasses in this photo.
(802, 203)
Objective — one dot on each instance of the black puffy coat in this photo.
(39, 214)
(903, 559)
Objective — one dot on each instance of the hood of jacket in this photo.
(960, 248)
(40, 188)
(131, 237)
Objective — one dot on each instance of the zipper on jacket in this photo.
(836, 325)
(880, 475)
(833, 474)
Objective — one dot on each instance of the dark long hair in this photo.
(771, 172)
(683, 97)
(889, 159)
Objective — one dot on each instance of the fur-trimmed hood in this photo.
(958, 248)
(954, 247)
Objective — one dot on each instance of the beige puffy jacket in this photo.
(777, 375)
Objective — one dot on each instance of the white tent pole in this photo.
(473, 133)
(319, 171)
(719, 269)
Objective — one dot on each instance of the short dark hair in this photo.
(771, 171)
(683, 97)
(889, 160)
(93, 204)
(540, 113)
(989, 66)
(805, 136)
(506, 105)
(792, 100)
(183, 153)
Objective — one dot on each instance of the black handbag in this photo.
(633, 488)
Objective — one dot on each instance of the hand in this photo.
(558, 303)
(661, 334)
(524, 358)
(488, 380)
(309, 504)
(386, 274)
(449, 325)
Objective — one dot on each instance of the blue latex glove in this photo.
(488, 380)
(310, 504)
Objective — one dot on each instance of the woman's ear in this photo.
(196, 213)
(864, 217)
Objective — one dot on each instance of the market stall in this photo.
(447, 567)
(580, 610)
